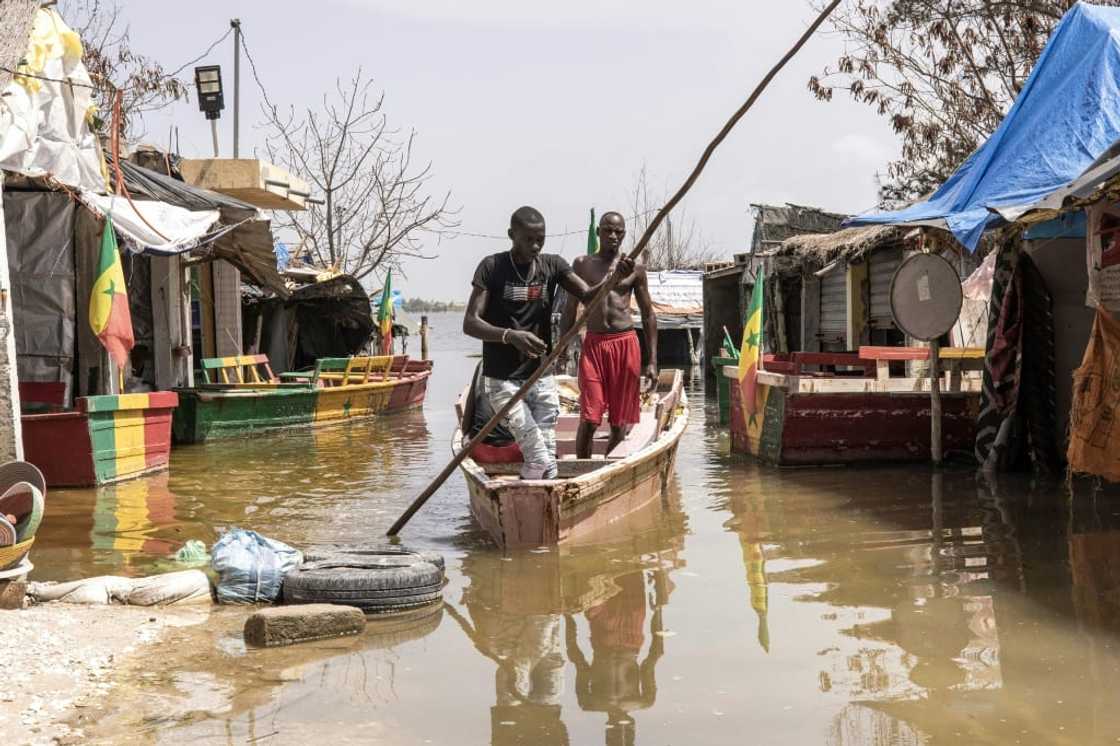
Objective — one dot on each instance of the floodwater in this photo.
(829, 606)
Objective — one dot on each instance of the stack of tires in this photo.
(377, 580)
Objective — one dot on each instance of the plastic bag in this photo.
(192, 553)
(251, 567)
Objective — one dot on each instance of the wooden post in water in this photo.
(935, 401)
(423, 337)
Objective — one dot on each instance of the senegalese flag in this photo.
(750, 356)
(592, 236)
(108, 303)
(385, 315)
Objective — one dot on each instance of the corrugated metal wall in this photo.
(834, 309)
(883, 266)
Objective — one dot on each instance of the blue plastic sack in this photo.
(251, 567)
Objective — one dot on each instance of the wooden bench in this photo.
(640, 436)
(348, 371)
(42, 396)
(954, 359)
(238, 369)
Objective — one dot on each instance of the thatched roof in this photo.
(848, 244)
(775, 223)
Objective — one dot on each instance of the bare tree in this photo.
(677, 244)
(944, 72)
(375, 208)
(112, 65)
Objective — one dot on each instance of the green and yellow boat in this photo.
(241, 396)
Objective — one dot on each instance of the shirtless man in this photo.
(510, 310)
(610, 367)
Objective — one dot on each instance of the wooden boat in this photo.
(105, 439)
(857, 411)
(240, 395)
(590, 494)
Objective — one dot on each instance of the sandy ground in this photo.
(60, 661)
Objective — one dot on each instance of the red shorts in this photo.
(610, 377)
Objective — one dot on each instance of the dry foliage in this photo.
(376, 206)
(677, 244)
(113, 65)
(944, 72)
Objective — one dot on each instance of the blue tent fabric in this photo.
(1065, 117)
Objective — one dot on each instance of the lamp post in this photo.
(235, 24)
(208, 82)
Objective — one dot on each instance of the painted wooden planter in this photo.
(106, 439)
(804, 420)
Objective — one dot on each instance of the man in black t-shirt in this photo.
(510, 310)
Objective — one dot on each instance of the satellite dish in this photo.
(926, 296)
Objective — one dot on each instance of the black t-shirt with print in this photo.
(519, 298)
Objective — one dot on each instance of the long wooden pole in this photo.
(613, 279)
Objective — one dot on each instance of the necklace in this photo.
(532, 269)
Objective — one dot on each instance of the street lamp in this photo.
(208, 82)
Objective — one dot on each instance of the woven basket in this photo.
(13, 555)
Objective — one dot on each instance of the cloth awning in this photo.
(1066, 116)
(43, 128)
(181, 229)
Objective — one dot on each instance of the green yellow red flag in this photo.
(592, 236)
(750, 356)
(385, 315)
(108, 302)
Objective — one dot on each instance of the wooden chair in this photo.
(238, 369)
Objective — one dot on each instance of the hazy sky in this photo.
(557, 105)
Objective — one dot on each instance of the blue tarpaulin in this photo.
(1066, 116)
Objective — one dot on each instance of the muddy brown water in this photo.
(831, 606)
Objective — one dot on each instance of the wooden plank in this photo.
(893, 353)
(874, 386)
(640, 436)
(962, 353)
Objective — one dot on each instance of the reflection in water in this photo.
(523, 611)
(128, 518)
(615, 681)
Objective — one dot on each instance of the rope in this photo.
(22, 74)
(115, 148)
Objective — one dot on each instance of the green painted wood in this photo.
(205, 415)
(723, 386)
(103, 444)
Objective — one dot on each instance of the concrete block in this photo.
(13, 594)
(287, 625)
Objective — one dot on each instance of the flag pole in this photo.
(613, 278)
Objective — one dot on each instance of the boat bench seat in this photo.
(238, 369)
(343, 371)
(640, 436)
(954, 359)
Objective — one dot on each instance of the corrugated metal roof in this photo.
(680, 290)
(678, 298)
